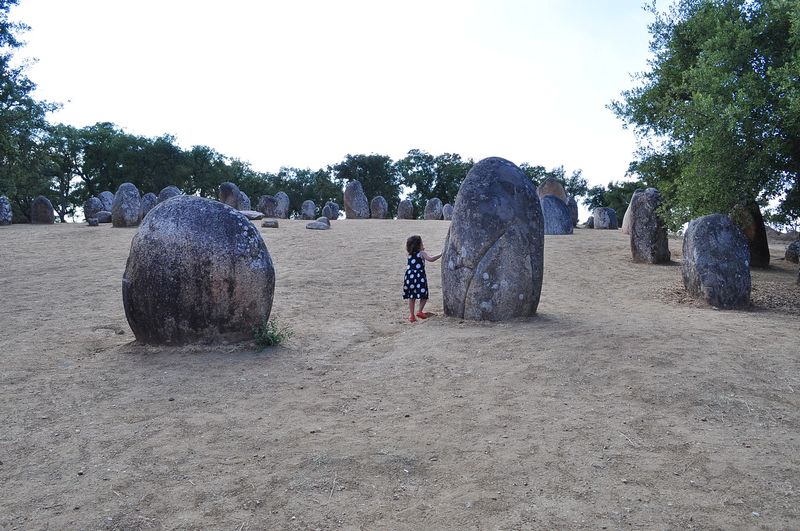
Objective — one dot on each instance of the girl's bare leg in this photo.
(411, 303)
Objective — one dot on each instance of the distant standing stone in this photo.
(229, 194)
(405, 210)
(149, 200)
(270, 223)
(322, 223)
(197, 271)
(433, 209)
(572, 205)
(747, 216)
(107, 198)
(282, 211)
(168, 192)
(793, 252)
(557, 219)
(127, 206)
(104, 216)
(6, 214)
(447, 212)
(554, 187)
(378, 208)
(626, 219)
(93, 222)
(91, 207)
(308, 210)
(605, 218)
(331, 210)
(356, 205)
(716, 262)
(493, 257)
(649, 242)
(268, 205)
(244, 202)
(252, 215)
(42, 212)
(590, 222)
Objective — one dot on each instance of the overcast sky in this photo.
(305, 82)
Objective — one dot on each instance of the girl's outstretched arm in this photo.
(430, 258)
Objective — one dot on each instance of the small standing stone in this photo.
(42, 212)
(572, 205)
(168, 192)
(447, 211)
(793, 252)
(107, 198)
(229, 194)
(557, 219)
(6, 214)
(93, 222)
(308, 210)
(91, 207)
(104, 216)
(331, 210)
(127, 207)
(590, 222)
(433, 209)
(605, 218)
(378, 208)
(405, 210)
(321, 223)
(244, 202)
(148, 202)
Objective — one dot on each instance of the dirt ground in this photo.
(622, 404)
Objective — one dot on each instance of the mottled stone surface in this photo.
(6, 214)
(91, 207)
(747, 216)
(168, 192)
(127, 206)
(590, 222)
(356, 205)
(270, 224)
(447, 212)
(716, 262)
(268, 205)
(308, 210)
(557, 219)
(572, 205)
(605, 218)
(149, 200)
(93, 222)
(626, 219)
(104, 216)
(252, 215)
(554, 187)
(792, 253)
(42, 212)
(405, 210)
(244, 202)
(229, 194)
(321, 223)
(331, 210)
(649, 242)
(378, 207)
(107, 198)
(433, 209)
(493, 257)
(198, 270)
(282, 211)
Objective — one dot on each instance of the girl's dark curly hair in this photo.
(414, 244)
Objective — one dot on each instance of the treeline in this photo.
(69, 165)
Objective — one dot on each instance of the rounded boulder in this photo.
(447, 212)
(308, 210)
(127, 207)
(229, 194)
(198, 270)
(378, 207)
(605, 218)
(107, 198)
(716, 262)
(168, 192)
(91, 207)
(42, 212)
(792, 253)
(433, 209)
(149, 200)
(6, 214)
(356, 205)
(493, 256)
(331, 210)
(405, 210)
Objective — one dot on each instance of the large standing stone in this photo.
(168, 192)
(572, 205)
(649, 242)
(792, 253)
(447, 212)
(107, 198)
(244, 202)
(197, 271)
(557, 219)
(356, 205)
(308, 210)
(378, 207)
(493, 256)
(605, 218)
(716, 262)
(626, 219)
(331, 210)
(42, 212)
(554, 187)
(229, 194)
(268, 205)
(91, 207)
(127, 206)
(149, 200)
(747, 216)
(282, 211)
(433, 209)
(405, 210)
(6, 214)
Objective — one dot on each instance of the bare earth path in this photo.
(620, 405)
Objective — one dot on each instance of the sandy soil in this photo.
(621, 404)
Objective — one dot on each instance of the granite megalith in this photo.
(282, 210)
(572, 205)
(557, 218)
(605, 218)
(405, 210)
(356, 205)
(792, 253)
(590, 222)
(127, 207)
(447, 212)
(229, 194)
(433, 209)
(331, 210)
(626, 219)
(42, 212)
(554, 187)
(244, 202)
(378, 207)
(716, 262)
(747, 216)
(149, 200)
(104, 216)
(268, 205)
(198, 270)
(107, 198)
(91, 207)
(6, 214)
(308, 210)
(168, 192)
(321, 223)
(493, 256)
(649, 242)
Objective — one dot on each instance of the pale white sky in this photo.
(305, 82)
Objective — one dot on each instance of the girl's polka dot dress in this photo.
(416, 283)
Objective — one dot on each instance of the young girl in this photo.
(415, 283)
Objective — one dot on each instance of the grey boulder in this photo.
(716, 262)
(356, 205)
(308, 210)
(557, 218)
(42, 212)
(321, 223)
(244, 202)
(270, 224)
(127, 207)
(433, 209)
(572, 205)
(331, 210)
(493, 256)
(93, 222)
(91, 207)
(554, 187)
(149, 200)
(590, 222)
(649, 242)
(792, 253)
(605, 218)
(252, 215)
(447, 212)
(229, 194)
(107, 198)
(405, 210)
(104, 216)
(747, 216)
(198, 270)
(6, 214)
(378, 207)
(168, 192)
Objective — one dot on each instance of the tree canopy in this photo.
(718, 113)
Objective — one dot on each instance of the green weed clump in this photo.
(271, 333)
